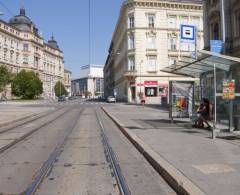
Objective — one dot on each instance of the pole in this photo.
(215, 102)
(196, 52)
(223, 25)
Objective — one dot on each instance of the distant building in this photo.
(145, 40)
(90, 81)
(22, 47)
(67, 81)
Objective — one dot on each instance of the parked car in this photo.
(111, 99)
(61, 99)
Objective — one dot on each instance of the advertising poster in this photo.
(228, 89)
(182, 99)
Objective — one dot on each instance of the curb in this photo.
(177, 180)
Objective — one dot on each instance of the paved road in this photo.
(82, 166)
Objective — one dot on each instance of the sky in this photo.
(68, 21)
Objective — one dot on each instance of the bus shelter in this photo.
(219, 82)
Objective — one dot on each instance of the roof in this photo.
(23, 23)
(67, 71)
(205, 63)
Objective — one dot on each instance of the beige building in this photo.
(22, 47)
(67, 81)
(213, 24)
(145, 40)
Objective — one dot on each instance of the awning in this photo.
(206, 60)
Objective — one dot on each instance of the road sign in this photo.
(188, 33)
(216, 46)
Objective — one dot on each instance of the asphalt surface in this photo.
(82, 166)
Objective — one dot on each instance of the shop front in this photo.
(153, 91)
(219, 83)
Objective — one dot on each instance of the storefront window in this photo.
(151, 91)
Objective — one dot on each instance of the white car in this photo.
(111, 99)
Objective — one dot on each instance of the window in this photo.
(172, 22)
(36, 60)
(25, 59)
(184, 20)
(17, 58)
(151, 42)
(5, 55)
(131, 42)
(131, 63)
(151, 91)
(152, 63)
(25, 47)
(151, 20)
(196, 21)
(11, 55)
(215, 31)
(172, 44)
(131, 22)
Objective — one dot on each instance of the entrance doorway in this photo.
(133, 93)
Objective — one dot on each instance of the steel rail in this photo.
(24, 121)
(11, 144)
(122, 185)
(48, 164)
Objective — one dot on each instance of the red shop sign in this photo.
(151, 83)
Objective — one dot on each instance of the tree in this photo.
(60, 89)
(27, 85)
(5, 77)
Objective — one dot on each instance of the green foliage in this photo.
(60, 89)
(27, 85)
(5, 77)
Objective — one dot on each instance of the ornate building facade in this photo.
(213, 24)
(145, 40)
(22, 47)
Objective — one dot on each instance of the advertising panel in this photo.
(228, 89)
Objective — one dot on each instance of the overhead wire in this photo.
(89, 31)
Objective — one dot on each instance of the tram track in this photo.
(30, 132)
(27, 120)
(111, 157)
(48, 164)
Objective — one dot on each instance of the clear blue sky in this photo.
(68, 21)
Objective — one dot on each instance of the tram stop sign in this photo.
(188, 33)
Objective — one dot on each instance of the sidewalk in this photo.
(188, 158)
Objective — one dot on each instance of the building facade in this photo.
(22, 47)
(67, 81)
(145, 40)
(213, 24)
(90, 81)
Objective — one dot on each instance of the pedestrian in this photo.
(205, 113)
(198, 121)
(143, 100)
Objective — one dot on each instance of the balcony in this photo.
(130, 75)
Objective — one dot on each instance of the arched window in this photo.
(216, 34)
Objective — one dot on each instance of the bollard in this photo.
(213, 133)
